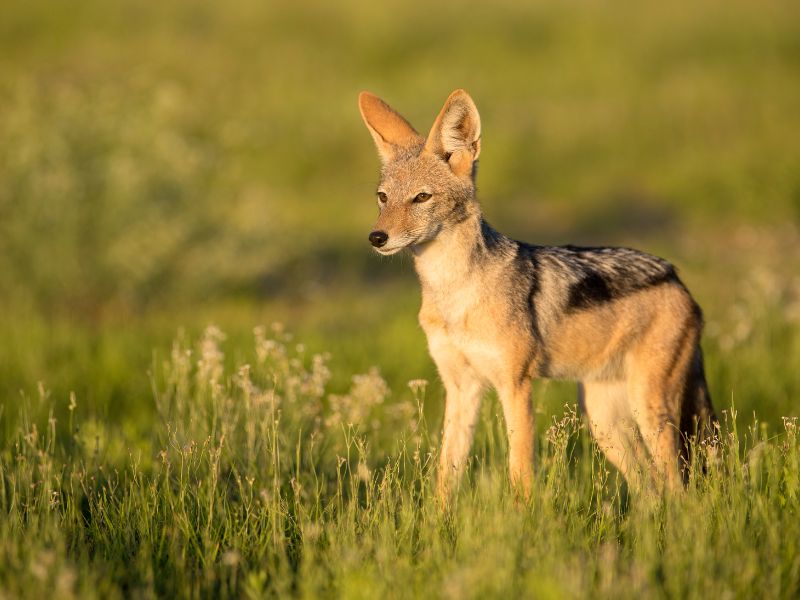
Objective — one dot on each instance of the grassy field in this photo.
(259, 484)
(171, 171)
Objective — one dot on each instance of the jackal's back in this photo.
(580, 301)
(567, 279)
(589, 276)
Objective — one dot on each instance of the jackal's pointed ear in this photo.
(390, 131)
(456, 133)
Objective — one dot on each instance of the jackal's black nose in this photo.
(378, 238)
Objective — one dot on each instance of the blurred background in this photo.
(166, 165)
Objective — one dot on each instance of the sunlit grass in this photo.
(255, 481)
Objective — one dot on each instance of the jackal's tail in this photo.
(698, 420)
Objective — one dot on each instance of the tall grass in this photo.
(256, 482)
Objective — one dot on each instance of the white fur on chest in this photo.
(459, 305)
(457, 337)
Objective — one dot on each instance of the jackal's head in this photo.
(426, 184)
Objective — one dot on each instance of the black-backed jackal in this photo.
(499, 312)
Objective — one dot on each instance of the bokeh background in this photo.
(166, 165)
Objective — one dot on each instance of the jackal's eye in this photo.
(382, 197)
(422, 197)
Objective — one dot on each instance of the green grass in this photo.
(254, 482)
(170, 165)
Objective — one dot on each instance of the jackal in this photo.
(498, 312)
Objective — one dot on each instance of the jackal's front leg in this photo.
(460, 417)
(518, 411)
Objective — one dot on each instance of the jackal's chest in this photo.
(459, 315)
(469, 333)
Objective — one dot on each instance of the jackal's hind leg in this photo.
(613, 428)
(656, 388)
(662, 437)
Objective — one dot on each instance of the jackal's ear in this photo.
(390, 131)
(456, 133)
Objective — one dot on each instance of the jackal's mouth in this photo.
(413, 242)
(394, 244)
(389, 251)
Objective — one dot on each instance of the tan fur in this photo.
(497, 312)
